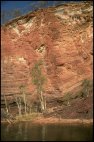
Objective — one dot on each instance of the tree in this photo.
(19, 103)
(6, 104)
(38, 80)
(22, 89)
(87, 87)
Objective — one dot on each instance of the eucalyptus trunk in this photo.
(6, 104)
(24, 98)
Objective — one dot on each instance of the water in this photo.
(26, 131)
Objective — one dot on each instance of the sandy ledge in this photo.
(62, 121)
(51, 120)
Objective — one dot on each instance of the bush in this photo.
(86, 90)
(87, 87)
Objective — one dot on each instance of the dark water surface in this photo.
(26, 131)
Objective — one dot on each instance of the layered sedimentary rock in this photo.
(59, 36)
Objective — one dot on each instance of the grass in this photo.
(27, 117)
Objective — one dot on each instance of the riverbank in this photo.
(62, 121)
(50, 120)
(79, 111)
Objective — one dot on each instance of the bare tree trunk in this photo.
(24, 98)
(6, 104)
(20, 106)
(30, 110)
(43, 102)
(18, 101)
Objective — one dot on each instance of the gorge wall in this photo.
(60, 36)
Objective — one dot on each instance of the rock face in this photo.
(60, 36)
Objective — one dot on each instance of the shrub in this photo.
(87, 87)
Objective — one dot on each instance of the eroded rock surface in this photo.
(60, 36)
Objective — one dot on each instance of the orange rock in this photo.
(63, 46)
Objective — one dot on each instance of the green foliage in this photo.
(87, 87)
(67, 96)
(87, 83)
(38, 80)
(37, 77)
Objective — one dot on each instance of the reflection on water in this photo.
(27, 131)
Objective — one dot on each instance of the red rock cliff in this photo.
(61, 36)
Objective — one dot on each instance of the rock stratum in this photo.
(61, 36)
